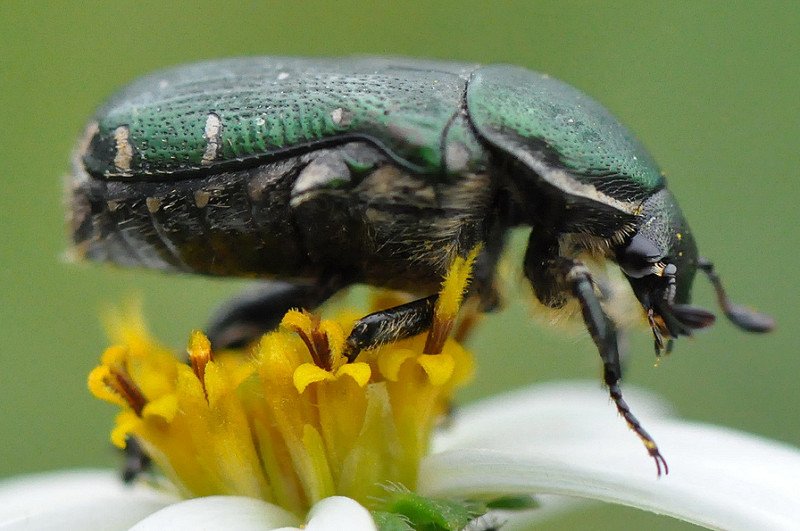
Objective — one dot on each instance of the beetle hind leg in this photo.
(258, 310)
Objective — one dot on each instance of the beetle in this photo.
(323, 173)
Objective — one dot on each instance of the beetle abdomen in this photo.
(346, 211)
(233, 223)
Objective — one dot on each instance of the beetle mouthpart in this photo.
(659, 331)
(692, 316)
(671, 321)
(744, 318)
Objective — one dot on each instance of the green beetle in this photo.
(322, 173)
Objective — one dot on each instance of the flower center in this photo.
(288, 420)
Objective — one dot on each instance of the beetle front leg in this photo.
(604, 335)
(260, 309)
(554, 279)
(392, 324)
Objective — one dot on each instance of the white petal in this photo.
(219, 512)
(718, 478)
(89, 499)
(557, 410)
(338, 513)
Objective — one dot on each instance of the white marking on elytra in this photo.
(283, 75)
(341, 117)
(212, 135)
(122, 160)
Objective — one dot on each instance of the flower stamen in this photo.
(454, 286)
(119, 381)
(199, 351)
(313, 336)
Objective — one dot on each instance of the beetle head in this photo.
(660, 260)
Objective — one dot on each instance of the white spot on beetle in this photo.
(153, 204)
(122, 160)
(456, 157)
(201, 198)
(283, 75)
(341, 117)
(212, 135)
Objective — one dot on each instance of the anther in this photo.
(119, 381)
(199, 350)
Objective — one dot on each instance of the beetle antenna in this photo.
(681, 319)
(744, 318)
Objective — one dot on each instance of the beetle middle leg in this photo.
(415, 317)
(554, 278)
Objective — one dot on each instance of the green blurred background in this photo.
(711, 88)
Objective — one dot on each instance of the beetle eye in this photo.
(639, 256)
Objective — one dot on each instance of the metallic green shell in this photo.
(265, 106)
(551, 126)
(422, 114)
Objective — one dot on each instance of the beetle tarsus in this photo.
(633, 423)
(392, 324)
